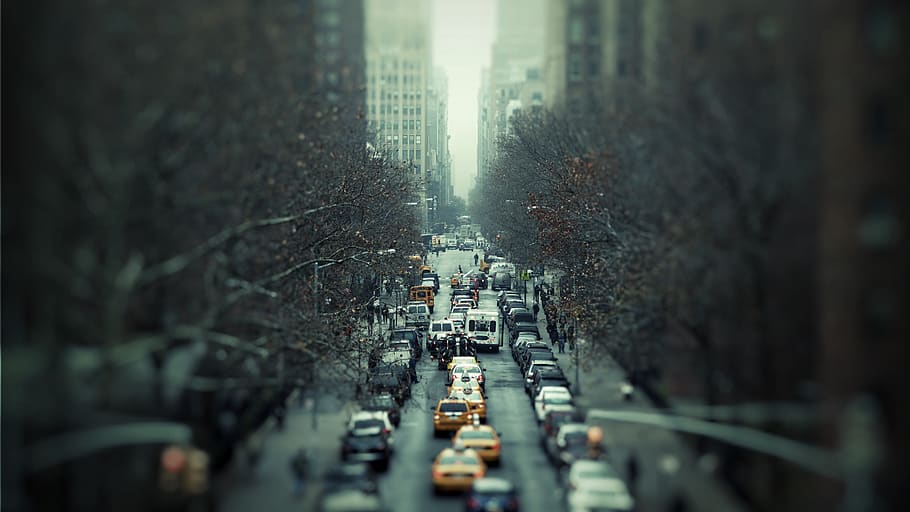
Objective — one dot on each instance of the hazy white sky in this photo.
(463, 33)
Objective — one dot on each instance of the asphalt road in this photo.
(407, 485)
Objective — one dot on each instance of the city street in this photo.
(407, 485)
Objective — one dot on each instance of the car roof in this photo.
(568, 428)
(492, 485)
(555, 389)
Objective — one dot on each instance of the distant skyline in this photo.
(463, 34)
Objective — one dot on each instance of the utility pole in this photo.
(316, 300)
(577, 349)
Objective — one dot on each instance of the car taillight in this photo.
(437, 473)
(480, 378)
(495, 446)
(386, 431)
(473, 503)
(478, 474)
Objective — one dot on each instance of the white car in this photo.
(596, 485)
(365, 422)
(472, 371)
(549, 397)
(459, 310)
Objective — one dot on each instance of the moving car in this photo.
(481, 328)
(458, 360)
(483, 439)
(450, 415)
(455, 469)
(475, 399)
(489, 493)
(472, 371)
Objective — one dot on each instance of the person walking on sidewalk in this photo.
(632, 473)
(299, 463)
(562, 341)
(551, 330)
(476, 257)
(536, 310)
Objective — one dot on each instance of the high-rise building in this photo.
(519, 48)
(438, 175)
(399, 69)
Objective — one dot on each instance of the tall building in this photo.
(439, 176)
(518, 49)
(399, 69)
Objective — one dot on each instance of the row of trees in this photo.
(173, 174)
(669, 214)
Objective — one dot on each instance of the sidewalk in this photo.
(667, 467)
(269, 485)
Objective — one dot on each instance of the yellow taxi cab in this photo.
(457, 360)
(451, 414)
(483, 439)
(474, 397)
(455, 469)
(462, 384)
(455, 281)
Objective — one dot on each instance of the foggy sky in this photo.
(463, 32)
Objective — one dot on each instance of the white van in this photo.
(481, 326)
(417, 315)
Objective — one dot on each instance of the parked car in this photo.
(568, 444)
(411, 335)
(383, 402)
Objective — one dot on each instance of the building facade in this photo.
(399, 71)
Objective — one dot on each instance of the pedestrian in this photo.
(632, 472)
(459, 270)
(412, 368)
(437, 251)
(385, 313)
(570, 336)
(476, 258)
(299, 463)
(554, 336)
(369, 315)
(536, 310)
(254, 446)
(562, 341)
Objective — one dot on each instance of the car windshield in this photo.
(458, 459)
(476, 434)
(365, 425)
(453, 407)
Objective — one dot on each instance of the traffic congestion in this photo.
(469, 408)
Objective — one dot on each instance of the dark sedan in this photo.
(492, 494)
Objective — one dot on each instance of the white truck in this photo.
(481, 325)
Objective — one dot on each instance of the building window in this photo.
(395, 138)
(418, 125)
(575, 68)
(621, 68)
(418, 111)
(576, 31)
(418, 139)
(417, 155)
(593, 69)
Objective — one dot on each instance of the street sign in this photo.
(525, 275)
